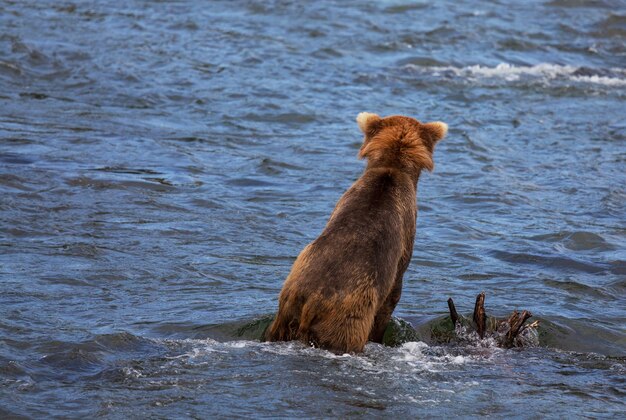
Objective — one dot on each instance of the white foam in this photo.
(602, 80)
(130, 372)
(415, 347)
(512, 73)
(410, 358)
(419, 356)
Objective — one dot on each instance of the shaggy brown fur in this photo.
(344, 286)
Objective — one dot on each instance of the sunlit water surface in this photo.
(163, 163)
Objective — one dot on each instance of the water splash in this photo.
(544, 72)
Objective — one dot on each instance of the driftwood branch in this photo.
(508, 332)
(515, 323)
(453, 314)
(479, 315)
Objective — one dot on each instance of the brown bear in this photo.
(344, 285)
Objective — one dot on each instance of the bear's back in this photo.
(364, 236)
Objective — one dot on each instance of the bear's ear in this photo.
(367, 121)
(436, 130)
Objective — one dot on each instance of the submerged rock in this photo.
(398, 331)
(255, 330)
(452, 329)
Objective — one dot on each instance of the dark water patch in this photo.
(290, 118)
(577, 241)
(14, 182)
(122, 170)
(11, 368)
(124, 342)
(619, 286)
(182, 330)
(66, 280)
(249, 182)
(10, 69)
(618, 267)
(15, 158)
(613, 26)
(581, 4)
(18, 345)
(590, 72)
(71, 357)
(192, 139)
(552, 262)
(269, 164)
(207, 204)
(582, 241)
(8, 414)
(17, 141)
(404, 8)
(517, 44)
(583, 290)
(124, 375)
(162, 181)
(85, 250)
(420, 61)
(327, 52)
(482, 198)
(33, 95)
(101, 184)
(582, 336)
(481, 276)
(425, 262)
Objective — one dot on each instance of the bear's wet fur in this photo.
(344, 286)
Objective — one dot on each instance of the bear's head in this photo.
(398, 141)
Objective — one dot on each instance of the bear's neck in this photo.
(412, 172)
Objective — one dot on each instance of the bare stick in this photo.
(453, 314)
(517, 324)
(512, 318)
(479, 314)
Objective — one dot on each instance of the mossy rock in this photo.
(397, 332)
(442, 330)
(255, 330)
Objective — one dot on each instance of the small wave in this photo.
(544, 71)
(555, 261)
(413, 356)
(418, 353)
(601, 80)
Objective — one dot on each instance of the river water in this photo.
(162, 163)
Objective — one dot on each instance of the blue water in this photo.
(163, 163)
